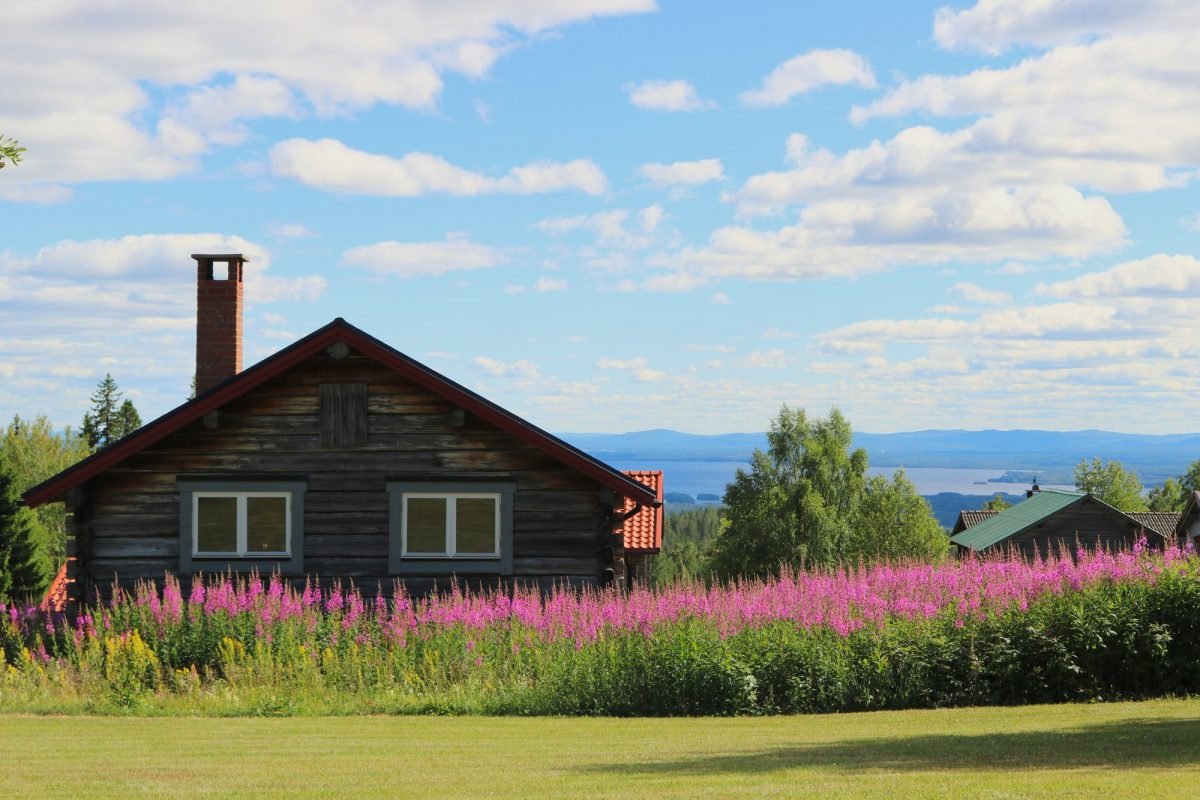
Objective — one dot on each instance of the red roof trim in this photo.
(338, 330)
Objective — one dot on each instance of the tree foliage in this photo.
(109, 419)
(893, 522)
(806, 502)
(10, 152)
(1174, 493)
(1111, 483)
(687, 536)
(23, 573)
(997, 503)
(34, 452)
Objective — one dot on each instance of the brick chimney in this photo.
(218, 319)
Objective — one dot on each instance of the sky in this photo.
(615, 215)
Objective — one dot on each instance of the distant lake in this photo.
(696, 477)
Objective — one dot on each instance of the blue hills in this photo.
(1154, 457)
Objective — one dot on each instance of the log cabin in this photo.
(340, 458)
(1049, 520)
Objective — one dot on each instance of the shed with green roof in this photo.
(1052, 519)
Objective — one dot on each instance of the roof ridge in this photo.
(337, 330)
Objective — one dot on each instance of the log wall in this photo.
(1088, 523)
(127, 525)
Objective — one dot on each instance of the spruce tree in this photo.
(109, 419)
(128, 420)
(22, 576)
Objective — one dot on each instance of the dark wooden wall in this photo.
(1089, 523)
(128, 523)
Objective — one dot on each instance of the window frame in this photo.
(401, 562)
(242, 519)
(192, 560)
(451, 532)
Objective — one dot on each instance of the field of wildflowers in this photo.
(1100, 626)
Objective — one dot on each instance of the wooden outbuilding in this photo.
(1188, 526)
(1050, 520)
(340, 458)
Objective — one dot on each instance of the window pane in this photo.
(216, 528)
(426, 525)
(266, 524)
(476, 532)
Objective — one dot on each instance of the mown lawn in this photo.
(1149, 749)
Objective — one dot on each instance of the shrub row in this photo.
(1112, 641)
(263, 649)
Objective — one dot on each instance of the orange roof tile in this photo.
(643, 531)
(56, 595)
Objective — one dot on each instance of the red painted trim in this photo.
(293, 354)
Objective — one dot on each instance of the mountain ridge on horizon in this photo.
(1154, 456)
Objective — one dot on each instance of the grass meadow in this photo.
(1146, 749)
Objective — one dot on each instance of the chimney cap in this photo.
(220, 257)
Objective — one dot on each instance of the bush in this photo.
(1097, 627)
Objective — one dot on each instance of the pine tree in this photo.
(22, 574)
(109, 419)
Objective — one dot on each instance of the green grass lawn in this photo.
(1149, 749)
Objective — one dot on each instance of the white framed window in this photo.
(241, 524)
(438, 528)
(450, 525)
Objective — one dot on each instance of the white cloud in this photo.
(650, 217)
(667, 96)
(612, 231)
(143, 89)
(766, 359)
(636, 367)
(621, 363)
(329, 165)
(1109, 346)
(683, 173)
(1126, 337)
(548, 284)
(995, 25)
(1162, 275)
(1192, 223)
(720, 298)
(857, 236)
(809, 71)
(422, 259)
(1049, 118)
(125, 306)
(649, 375)
(213, 112)
(525, 370)
(926, 160)
(973, 293)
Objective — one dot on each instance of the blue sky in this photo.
(611, 215)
